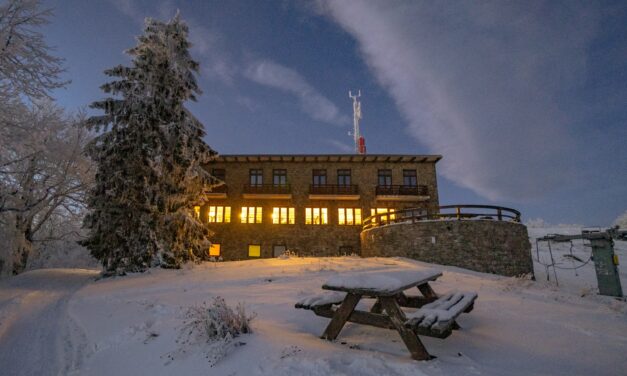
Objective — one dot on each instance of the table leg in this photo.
(427, 291)
(415, 347)
(376, 308)
(341, 316)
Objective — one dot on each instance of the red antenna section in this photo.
(362, 145)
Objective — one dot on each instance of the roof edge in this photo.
(392, 158)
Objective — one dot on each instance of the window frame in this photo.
(323, 215)
(245, 215)
(342, 175)
(357, 219)
(219, 173)
(384, 174)
(279, 173)
(257, 173)
(224, 214)
(278, 215)
(321, 174)
(413, 179)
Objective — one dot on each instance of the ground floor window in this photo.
(197, 212)
(254, 250)
(278, 250)
(316, 216)
(251, 214)
(219, 214)
(349, 216)
(214, 250)
(283, 216)
(383, 218)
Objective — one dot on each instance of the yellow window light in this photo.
(197, 211)
(254, 250)
(214, 250)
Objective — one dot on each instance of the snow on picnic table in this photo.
(381, 282)
(130, 325)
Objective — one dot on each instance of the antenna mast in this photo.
(360, 142)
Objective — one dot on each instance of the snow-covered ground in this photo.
(61, 321)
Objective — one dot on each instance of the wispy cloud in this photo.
(312, 102)
(484, 84)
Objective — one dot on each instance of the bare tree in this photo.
(26, 65)
(43, 179)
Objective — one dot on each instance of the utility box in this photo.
(606, 266)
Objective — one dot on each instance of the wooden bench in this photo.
(437, 319)
(324, 300)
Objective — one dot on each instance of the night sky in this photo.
(526, 101)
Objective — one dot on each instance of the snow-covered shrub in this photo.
(216, 325)
(287, 254)
(621, 221)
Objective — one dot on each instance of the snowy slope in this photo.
(130, 325)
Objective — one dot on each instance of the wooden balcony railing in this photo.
(333, 189)
(401, 190)
(268, 189)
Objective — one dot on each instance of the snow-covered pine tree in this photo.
(149, 154)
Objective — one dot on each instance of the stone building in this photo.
(310, 204)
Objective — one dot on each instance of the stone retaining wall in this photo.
(483, 245)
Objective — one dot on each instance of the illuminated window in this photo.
(219, 214)
(283, 216)
(197, 212)
(383, 218)
(254, 250)
(349, 216)
(214, 250)
(251, 214)
(316, 216)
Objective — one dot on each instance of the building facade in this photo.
(313, 205)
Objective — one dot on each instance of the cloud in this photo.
(485, 84)
(271, 74)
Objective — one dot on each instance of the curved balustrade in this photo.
(447, 212)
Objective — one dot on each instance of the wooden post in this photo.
(415, 347)
(341, 316)
(459, 212)
(500, 216)
(427, 291)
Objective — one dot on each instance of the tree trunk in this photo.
(21, 245)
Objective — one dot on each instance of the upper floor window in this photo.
(349, 216)
(343, 177)
(251, 214)
(279, 177)
(385, 178)
(219, 214)
(319, 177)
(283, 216)
(409, 178)
(256, 176)
(316, 216)
(219, 173)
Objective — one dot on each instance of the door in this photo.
(278, 250)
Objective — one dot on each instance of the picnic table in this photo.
(434, 315)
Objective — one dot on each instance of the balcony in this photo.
(218, 192)
(402, 192)
(268, 191)
(333, 192)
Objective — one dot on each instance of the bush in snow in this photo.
(216, 325)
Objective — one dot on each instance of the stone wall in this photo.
(487, 246)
